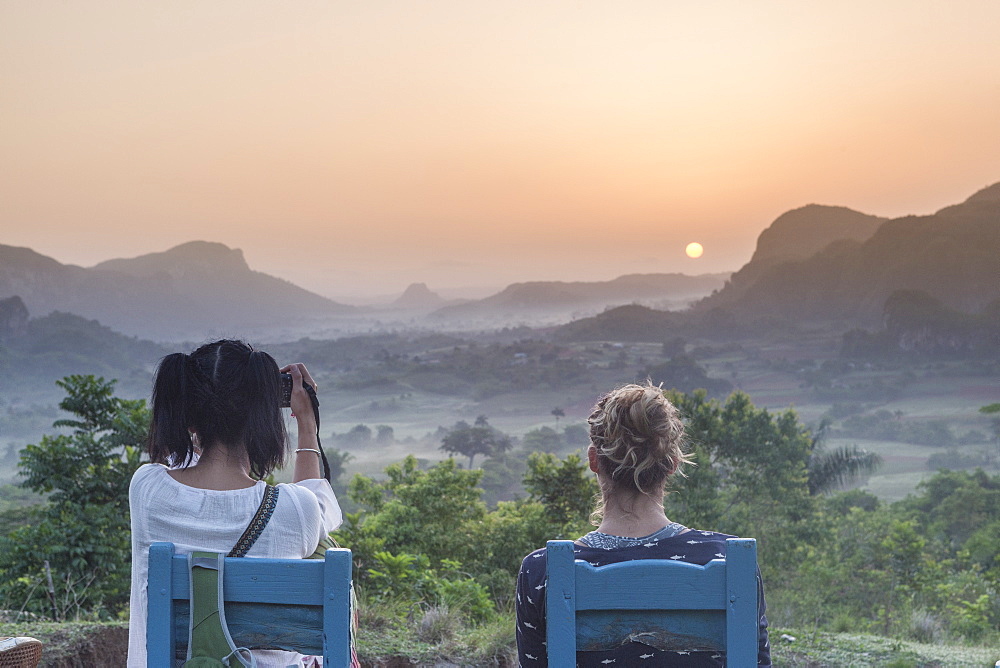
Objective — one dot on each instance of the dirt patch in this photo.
(75, 644)
(97, 645)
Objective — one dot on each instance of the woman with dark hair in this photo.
(636, 445)
(216, 430)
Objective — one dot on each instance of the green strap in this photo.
(209, 637)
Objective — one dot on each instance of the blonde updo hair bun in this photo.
(639, 438)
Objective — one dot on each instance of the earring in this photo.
(195, 441)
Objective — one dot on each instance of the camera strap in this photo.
(311, 391)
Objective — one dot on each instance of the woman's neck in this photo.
(220, 467)
(633, 517)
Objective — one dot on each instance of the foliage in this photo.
(684, 374)
(829, 470)
(750, 475)
(479, 439)
(338, 460)
(884, 425)
(565, 487)
(357, 436)
(83, 531)
(434, 521)
(993, 409)
(411, 577)
(60, 344)
(480, 370)
(543, 439)
(501, 479)
(927, 567)
(421, 512)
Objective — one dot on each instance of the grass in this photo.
(492, 644)
(853, 650)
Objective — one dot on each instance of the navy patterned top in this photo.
(672, 542)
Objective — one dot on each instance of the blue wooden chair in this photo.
(301, 605)
(667, 604)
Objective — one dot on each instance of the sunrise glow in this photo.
(360, 147)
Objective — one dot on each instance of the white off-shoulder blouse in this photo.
(192, 519)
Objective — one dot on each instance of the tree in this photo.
(993, 409)
(385, 434)
(83, 531)
(428, 512)
(684, 374)
(830, 470)
(750, 476)
(565, 487)
(358, 435)
(338, 462)
(558, 413)
(543, 439)
(479, 439)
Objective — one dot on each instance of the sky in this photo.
(356, 147)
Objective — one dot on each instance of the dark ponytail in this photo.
(226, 392)
(169, 441)
(264, 424)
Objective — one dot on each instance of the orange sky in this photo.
(354, 147)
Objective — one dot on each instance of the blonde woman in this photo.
(636, 446)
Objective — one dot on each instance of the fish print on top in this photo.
(672, 542)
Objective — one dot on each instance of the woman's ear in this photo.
(592, 458)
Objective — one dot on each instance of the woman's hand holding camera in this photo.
(301, 404)
(307, 460)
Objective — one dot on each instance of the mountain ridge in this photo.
(543, 296)
(188, 291)
(953, 255)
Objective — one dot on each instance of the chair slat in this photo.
(287, 627)
(261, 580)
(663, 629)
(663, 603)
(652, 584)
(292, 604)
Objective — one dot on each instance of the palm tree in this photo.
(829, 470)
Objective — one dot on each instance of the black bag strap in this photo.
(257, 524)
(311, 391)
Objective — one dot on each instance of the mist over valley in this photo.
(846, 316)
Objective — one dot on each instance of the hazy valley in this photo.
(844, 316)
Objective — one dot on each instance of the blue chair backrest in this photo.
(668, 604)
(301, 605)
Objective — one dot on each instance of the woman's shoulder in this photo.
(306, 490)
(148, 485)
(536, 557)
(147, 473)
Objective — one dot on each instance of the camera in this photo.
(286, 390)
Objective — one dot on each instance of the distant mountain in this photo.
(191, 291)
(952, 255)
(831, 264)
(801, 233)
(59, 344)
(419, 297)
(625, 323)
(556, 296)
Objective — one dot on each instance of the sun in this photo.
(694, 250)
